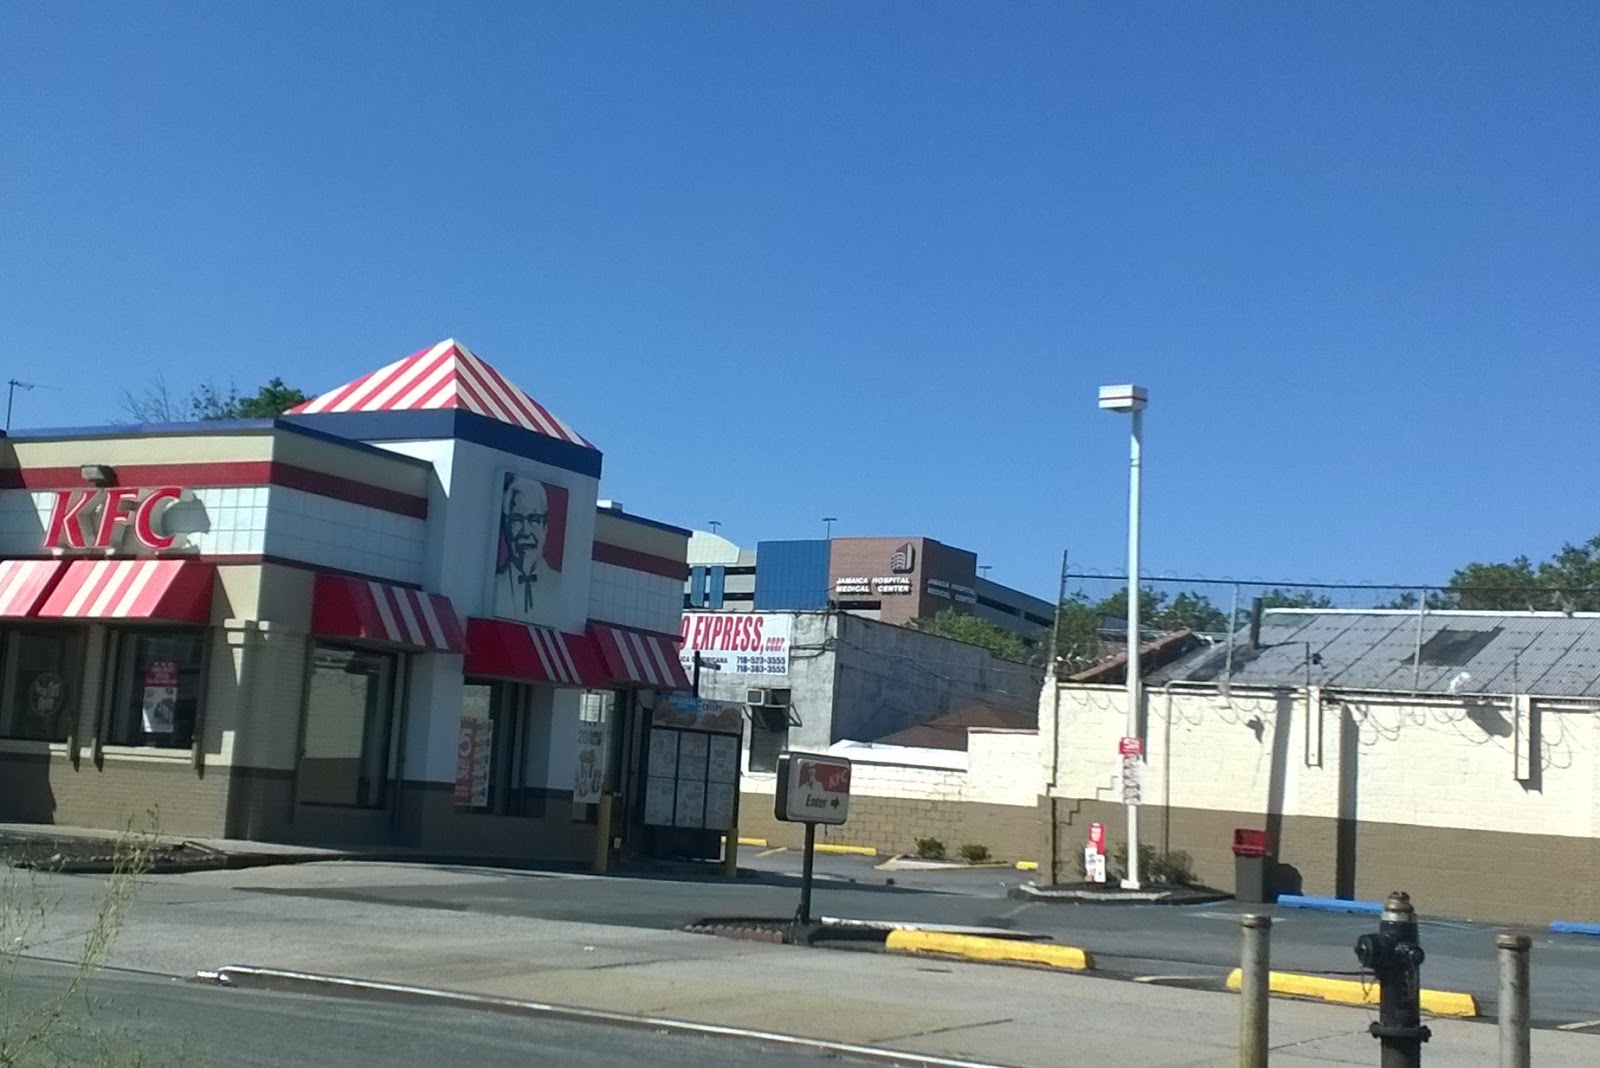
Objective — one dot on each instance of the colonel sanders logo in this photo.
(533, 526)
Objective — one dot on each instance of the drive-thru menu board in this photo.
(693, 764)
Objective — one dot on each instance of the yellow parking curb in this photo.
(762, 842)
(1352, 992)
(994, 950)
(855, 851)
(1027, 865)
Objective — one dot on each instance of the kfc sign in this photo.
(96, 519)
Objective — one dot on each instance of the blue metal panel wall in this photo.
(791, 575)
(697, 586)
(719, 582)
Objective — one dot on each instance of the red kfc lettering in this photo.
(144, 519)
(64, 519)
(114, 511)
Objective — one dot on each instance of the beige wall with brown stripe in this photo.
(612, 530)
(358, 464)
(140, 450)
(375, 468)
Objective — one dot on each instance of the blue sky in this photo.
(783, 261)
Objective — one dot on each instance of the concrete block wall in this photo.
(992, 803)
(1483, 807)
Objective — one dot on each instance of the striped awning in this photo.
(346, 607)
(172, 591)
(501, 649)
(24, 584)
(639, 657)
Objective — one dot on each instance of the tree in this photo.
(1078, 633)
(1567, 582)
(156, 403)
(1280, 598)
(964, 627)
(1191, 611)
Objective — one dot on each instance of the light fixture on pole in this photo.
(827, 526)
(1132, 400)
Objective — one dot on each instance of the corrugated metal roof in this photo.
(1476, 652)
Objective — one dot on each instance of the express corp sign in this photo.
(744, 643)
(98, 518)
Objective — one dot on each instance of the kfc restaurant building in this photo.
(398, 615)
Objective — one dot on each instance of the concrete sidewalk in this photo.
(1005, 1015)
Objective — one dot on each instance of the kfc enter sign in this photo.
(813, 789)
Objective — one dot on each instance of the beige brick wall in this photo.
(149, 793)
(1362, 794)
(893, 824)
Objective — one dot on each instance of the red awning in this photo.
(502, 649)
(24, 584)
(172, 591)
(640, 657)
(345, 607)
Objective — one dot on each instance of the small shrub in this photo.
(930, 849)
(1175, 868)
(973, 854)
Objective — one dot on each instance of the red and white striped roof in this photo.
(448, 375)
(640, 657)
(346, 607)
(176, 591)
(501, 649)
(23, 585)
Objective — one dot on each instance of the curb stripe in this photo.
(1354, 992)
(1329, 904)
(992, 950)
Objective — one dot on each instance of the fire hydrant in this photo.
(1395, 959)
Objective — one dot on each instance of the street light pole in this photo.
(1132, 400)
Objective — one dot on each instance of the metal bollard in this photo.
(1255, 966)
(602, 835)
(1516, 1050)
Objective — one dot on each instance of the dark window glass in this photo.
(489, 750)
(349, 713)
(156, 693)
(769, 736)
(42, 673)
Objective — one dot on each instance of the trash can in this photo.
(1250, 860)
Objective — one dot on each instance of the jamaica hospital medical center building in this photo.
(396, 615)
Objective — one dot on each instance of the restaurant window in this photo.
(491, 749)
(769, 736)
(155, 697)
(41, 672)
(350, 700)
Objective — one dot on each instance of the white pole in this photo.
(1135, 462)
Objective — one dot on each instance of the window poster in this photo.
(160, 696)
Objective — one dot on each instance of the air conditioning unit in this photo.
(778, 698)
(756, 696)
